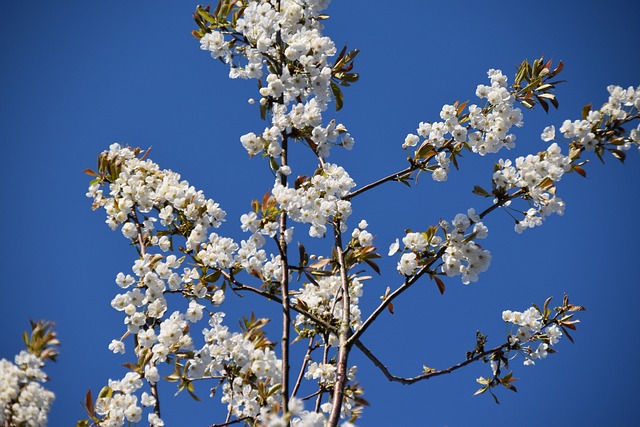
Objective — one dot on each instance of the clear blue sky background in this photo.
(77, 76)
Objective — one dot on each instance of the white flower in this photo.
(407, 264)
(548, 134)
(117, 346)
(129, 230)
(411, 141)
(395, 246)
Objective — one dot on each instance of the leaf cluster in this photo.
(534, 83)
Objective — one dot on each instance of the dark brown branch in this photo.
(228, 423)
(393, 177)
(272, 297)
(426, 375)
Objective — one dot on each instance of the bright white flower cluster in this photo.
(304, 80)
(495, 122)
(318, 200)
(122, 405)
(530, 329)
(487, 131)
(621, 105)
(234, 356)
(322, 298)
(298, 417)
(536, 174)
(463, 256)
(620, 98)
(23, 401)
(141, 185)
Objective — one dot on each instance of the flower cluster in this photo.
(245, 360)
(322, 299)
(23, 401)
(536, 175)
(530, 329)
(318, 200)
(298, 91)
(298, 417)
(461, 255)
(137, 185)
(483, 129)
(622, 106)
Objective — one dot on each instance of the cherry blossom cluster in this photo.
(245, 360)
(296, 91)
(530, 329)
(461, 255)
(622, 106)
(487, 130)
(297, 417)
(536, 175)
(140, 186)
(318, 200)
(23, 400)
(322, 299)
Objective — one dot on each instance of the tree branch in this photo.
(426, 375)
(393, 177)
(305, 361)
(343, 336)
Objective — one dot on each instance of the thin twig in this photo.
(426, 375)
(305, 361)
(393, 177)
(228, 423)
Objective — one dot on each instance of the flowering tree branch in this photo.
(182, 255)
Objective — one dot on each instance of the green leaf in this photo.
(105, 392)
(274, 165)
(337, 94)
(480, 191)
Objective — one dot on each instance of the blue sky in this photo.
(77, 76)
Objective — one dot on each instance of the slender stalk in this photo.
(325, 357)
(305, 361)
(343, 335)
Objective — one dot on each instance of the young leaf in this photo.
(440, 284)
(337, 94)
(480, 191)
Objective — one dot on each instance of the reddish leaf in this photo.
(440, 284)
(390, 307)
